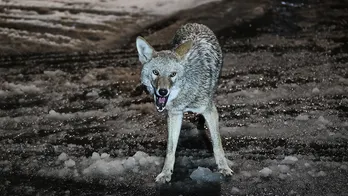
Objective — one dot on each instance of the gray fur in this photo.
(193, 87)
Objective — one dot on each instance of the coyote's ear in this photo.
(183, 49)
(145, 51)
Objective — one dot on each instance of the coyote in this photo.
(185, 79)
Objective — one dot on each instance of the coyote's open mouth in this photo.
(160, 102)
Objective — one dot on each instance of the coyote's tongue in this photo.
(161, 103)
(162, 100)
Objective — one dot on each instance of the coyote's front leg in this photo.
(174, 127)
(212, 118)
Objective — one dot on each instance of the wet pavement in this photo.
(282, 100)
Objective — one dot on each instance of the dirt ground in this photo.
(282, 100)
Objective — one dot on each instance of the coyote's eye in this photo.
(155, 72)
(172, 74)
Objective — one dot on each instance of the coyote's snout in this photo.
(162, 90)
(185, 79)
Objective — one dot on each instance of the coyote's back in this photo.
(203, 65)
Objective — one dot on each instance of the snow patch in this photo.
(69, 163)
(235, 190)
(202, 174)
(95, 156)
(92, 94)
(104, 166)
(323, 121)
(246, 174)
(302, 117)
(265, 172)
(315, 90)
(289, 160)
(59, 116)
(41, 38)
(284, 168)
(63, 157)
(54, 73)
(313, 173)
(104, 156)
(3, 93)
(21, 89)
(159, 7)
(53, 115)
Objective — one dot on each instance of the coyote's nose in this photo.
(163, 92)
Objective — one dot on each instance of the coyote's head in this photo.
(162, 71)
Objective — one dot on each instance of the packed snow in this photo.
(290, 160)
(103, 166)
(18, 89)
(76, 25)
(302, 117)
(68, 116)
(63, 157)
(265, 172)
(202, 174)
(162, 7)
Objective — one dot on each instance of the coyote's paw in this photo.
(164, 177)
(226, 171)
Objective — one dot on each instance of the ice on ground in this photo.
(69, 163)
(138, 155)
(246, 174)
(104, 155)
(283, 168)
(68, 116)
(265, 172)
(95, 156)
(149, 6)
(103, 166)
(106, 167)
(321, 174)
(92, 94)
(63, 157)
(315, 90)
(345, 124)
(21, 89)
(54, 73)
(323, 121)
(130, 163)
(344, 167)
(3, 93)
(314, 173)
(282, 176)
(302, 117)
(202, 174)
(235, 190)
(59, 116)
(289, 160)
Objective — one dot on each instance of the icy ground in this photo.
(61, 25)
(77, 123)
